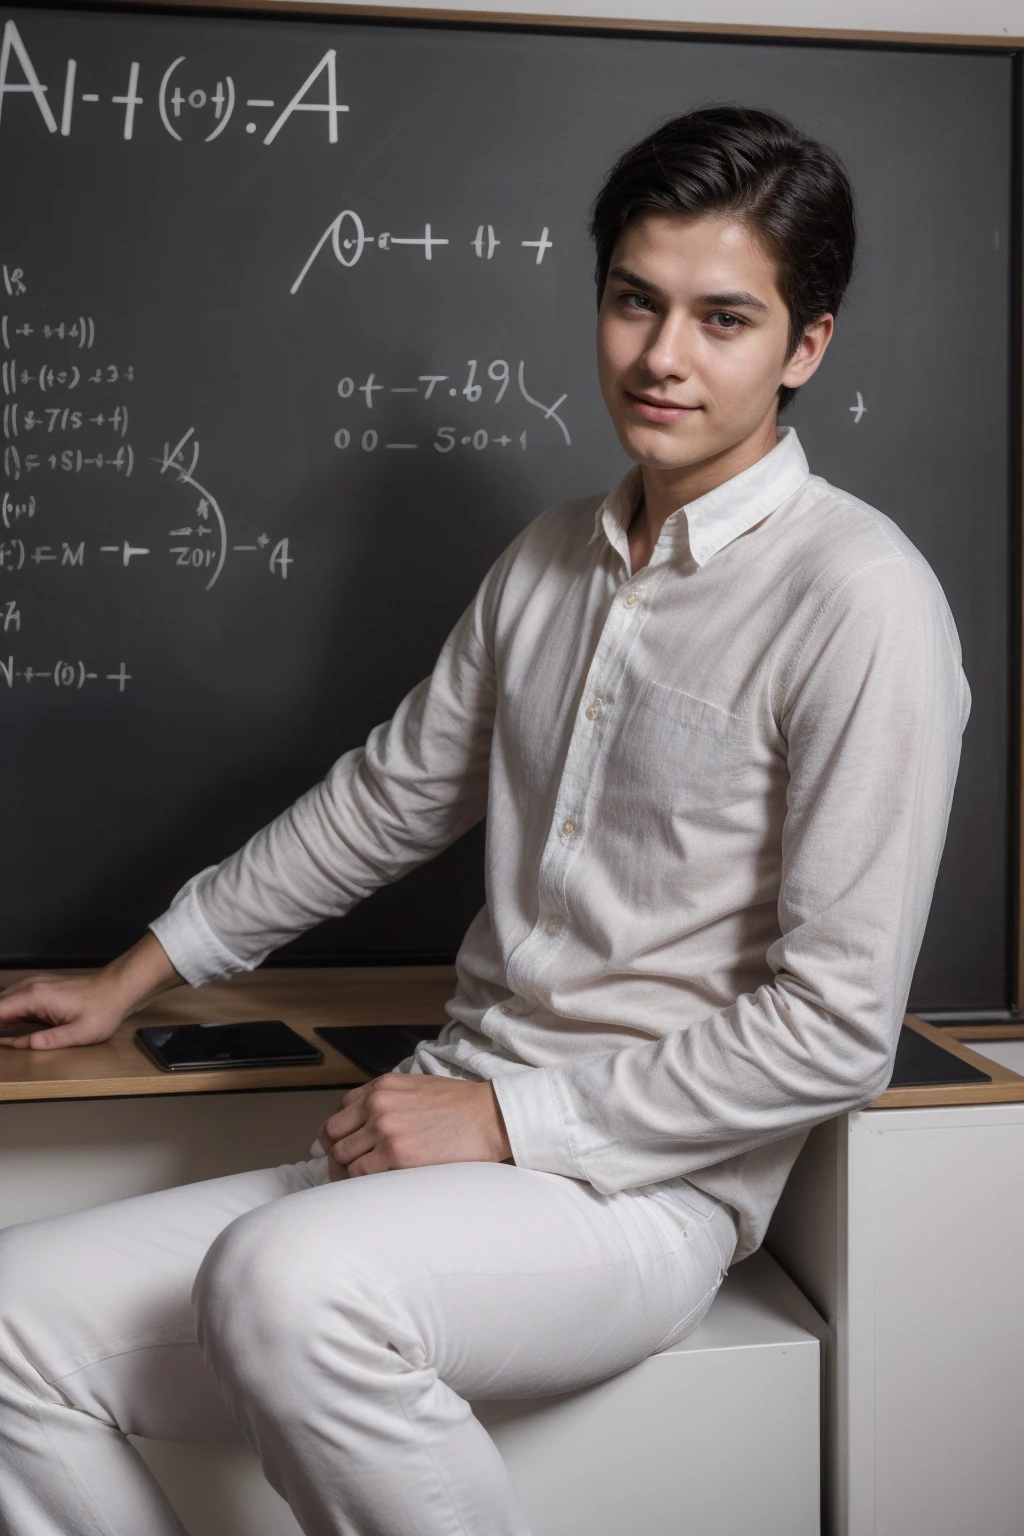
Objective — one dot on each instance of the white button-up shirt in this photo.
(716, 793)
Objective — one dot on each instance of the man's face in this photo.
(691, 316)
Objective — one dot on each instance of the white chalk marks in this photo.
(348, 240)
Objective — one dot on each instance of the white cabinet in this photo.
(905, 1227)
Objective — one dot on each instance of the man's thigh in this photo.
(505, 1281)
(98, 1302)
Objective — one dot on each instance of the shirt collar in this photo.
(717, 517)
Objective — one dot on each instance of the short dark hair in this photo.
(755, 165)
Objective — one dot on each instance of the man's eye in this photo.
(642, 297)
(733, 321)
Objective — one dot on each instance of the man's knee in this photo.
(269, 1291)
(240, 1291)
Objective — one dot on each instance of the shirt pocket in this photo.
(689, 759)
(693, 714)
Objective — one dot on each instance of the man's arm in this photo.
(417, 784)
(873, 711)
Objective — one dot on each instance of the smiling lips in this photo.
(653, 412)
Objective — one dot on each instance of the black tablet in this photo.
(377, 1048)
(205, 1047)
(921, 1063)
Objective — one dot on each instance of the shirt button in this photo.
(554, 925)
(568, 827)
(632, 600)
(594, 710)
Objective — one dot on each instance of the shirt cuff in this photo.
(190, 943)
(534, 1122)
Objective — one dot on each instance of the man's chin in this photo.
(667, 456)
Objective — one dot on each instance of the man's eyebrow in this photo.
(633, 279)
(735, 300)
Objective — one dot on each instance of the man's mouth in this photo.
(657, 410)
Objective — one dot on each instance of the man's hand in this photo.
(410, 1120)
(83, 1009)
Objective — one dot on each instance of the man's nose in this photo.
(670, 351)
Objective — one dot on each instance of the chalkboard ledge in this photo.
(309, 997)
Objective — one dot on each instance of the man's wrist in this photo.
(140, 973)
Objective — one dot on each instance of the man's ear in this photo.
(809, 351)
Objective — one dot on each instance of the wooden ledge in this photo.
(968, 1032)
(310, 996)
(1006, 1087)
(303, 998)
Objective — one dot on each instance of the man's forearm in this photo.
(141, 973)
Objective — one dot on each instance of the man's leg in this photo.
(347, 1327)
(97, 1340)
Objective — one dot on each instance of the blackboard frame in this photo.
(536, 21)
(1005, 46)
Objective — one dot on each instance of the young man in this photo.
(714, 718)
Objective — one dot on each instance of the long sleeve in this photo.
(419, 782)
(871, 710)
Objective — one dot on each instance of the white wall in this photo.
(979, 18)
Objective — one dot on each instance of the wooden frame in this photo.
(589, 23)
(835, 35)
(994, 1031)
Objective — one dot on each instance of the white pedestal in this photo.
(718, 1435)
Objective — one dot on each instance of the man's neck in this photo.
(665, 491)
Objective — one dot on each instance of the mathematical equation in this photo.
(187, 107)
(498, 372)
(15, 553)
(24, 419)
(62, 674)
(202, 544)
(12, 511)
(81, 330)
(18, 464)
(56, 419)
(348, 240)
(210, 522)
(46, 378)
(39, 439)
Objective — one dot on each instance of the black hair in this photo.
(792, 190)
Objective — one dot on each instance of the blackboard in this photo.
(238, 518)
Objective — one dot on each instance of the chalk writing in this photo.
(61, 674)
(498, 372)
(181, 100)
(173, 459)
(81, 331)
(18, 464)
(17, 422)
(207, 521)
(77, 429)
(11, 510)
(348, 240)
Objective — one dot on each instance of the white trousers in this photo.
(340, 1328)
